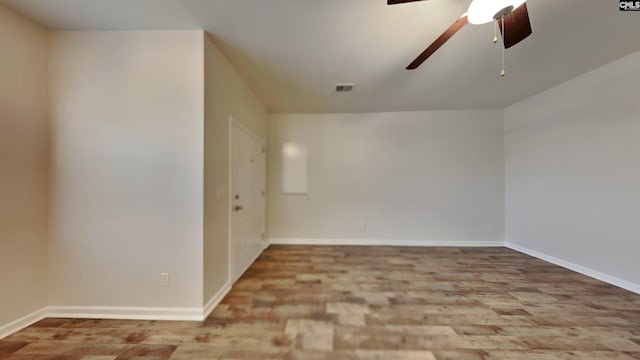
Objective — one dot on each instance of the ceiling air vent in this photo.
(344, 87)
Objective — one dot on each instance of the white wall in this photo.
(128, 118)
(24, 174)
(226, 94)
(424, 176)
(573, 171)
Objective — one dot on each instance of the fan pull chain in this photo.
(503, 72)
(495, 31)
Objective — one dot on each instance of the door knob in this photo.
(237, 208)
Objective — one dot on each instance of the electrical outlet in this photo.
(164, 279)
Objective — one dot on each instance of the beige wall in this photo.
(573, 172)
(410, 176)
(127, 112)
(226, 94)
(23, 167)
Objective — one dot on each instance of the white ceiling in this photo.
(292, 52)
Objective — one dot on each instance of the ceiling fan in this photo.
(511, 15)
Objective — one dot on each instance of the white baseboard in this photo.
(126, 312)
(117, 312)
(627, 285)
(23, 322)
(215, 300)
(384, 242)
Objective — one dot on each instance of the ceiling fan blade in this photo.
(393, 2)
(438, 42)
(516, 27)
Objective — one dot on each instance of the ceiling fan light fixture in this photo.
(484, 11)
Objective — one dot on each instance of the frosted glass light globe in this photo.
(483, 11)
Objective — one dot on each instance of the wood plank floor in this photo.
(386, 303)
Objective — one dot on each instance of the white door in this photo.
(247, 199)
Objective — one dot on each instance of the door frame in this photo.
(262, 142)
